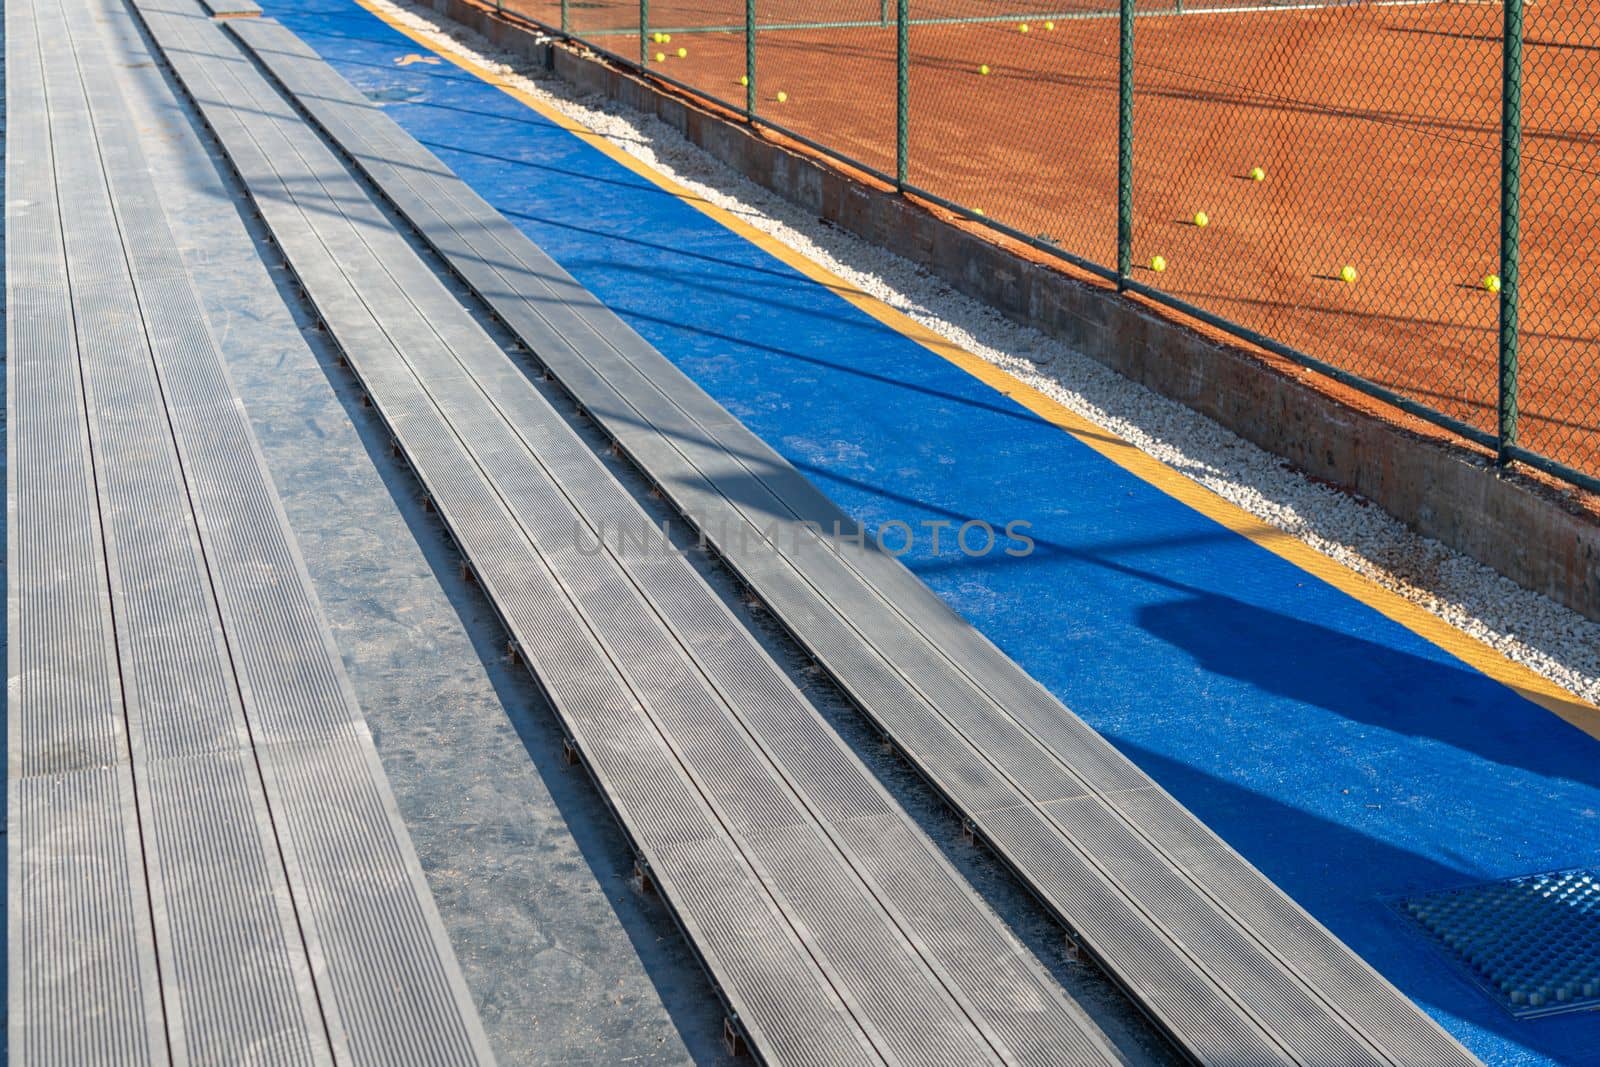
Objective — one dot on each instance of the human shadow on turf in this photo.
(1362, 673)
(1371, 682)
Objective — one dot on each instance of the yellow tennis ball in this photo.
(1257, 174)
(683, 53)
(1491, 282)
(782, 96)
(744, 79)
(1049, 26)
(984, 69)
(666, 38)
(1201, 219)
(657, 38)
(661, 57)
(1158, 263)
(977, 211)
(1022, 28)
(1348, 275)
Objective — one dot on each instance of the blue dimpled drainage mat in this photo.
(1533, 943)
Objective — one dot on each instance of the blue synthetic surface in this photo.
(1350, 759)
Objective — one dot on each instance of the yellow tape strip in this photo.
(1534, 687)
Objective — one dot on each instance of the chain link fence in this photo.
(1402, 194)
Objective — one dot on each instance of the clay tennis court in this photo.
(1377, 128)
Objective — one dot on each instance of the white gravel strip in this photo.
(1525, 626)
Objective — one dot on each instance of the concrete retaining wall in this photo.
(1539, 535)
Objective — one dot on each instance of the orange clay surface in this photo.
(1377, 128)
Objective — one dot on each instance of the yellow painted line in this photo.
(1458, 643)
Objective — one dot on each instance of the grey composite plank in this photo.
(234, 977)
(387, 980)
(930, 973)
(83, 985)
(226, 664)
(1221, 957)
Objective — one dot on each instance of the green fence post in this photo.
(644, 33)
(902, 92)
(566, 25)
(750, 59)
(1510, 220)
(1125, 142)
